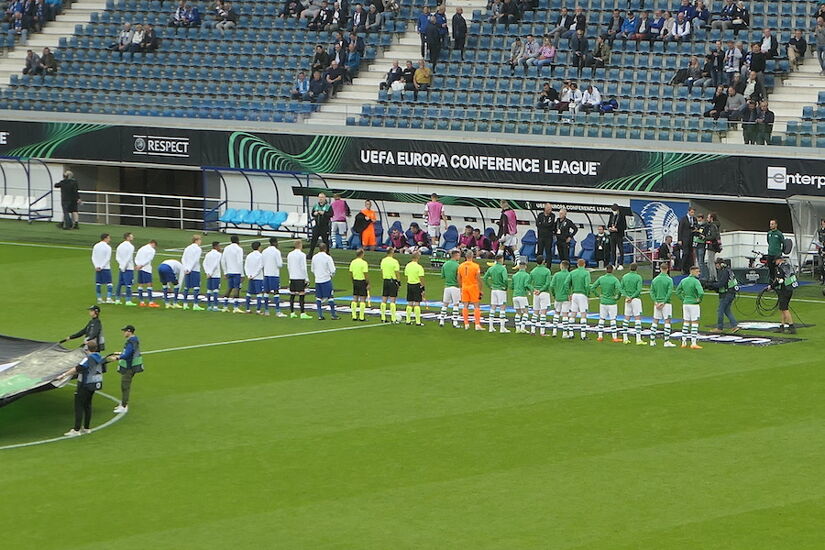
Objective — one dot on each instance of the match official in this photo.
(414, 273)
(358, 269)
(391, 275)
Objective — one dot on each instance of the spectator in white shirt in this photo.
(254, 270)
(273, 262)
(323, 268)
(530, 53)
(136, 44)
(212, 270)
(124, 254)
(143, 266)
(591, 99)
(575, 98)
(232, 264)
(296, 266)
(190, 260)
(682, 28)
(101, 260)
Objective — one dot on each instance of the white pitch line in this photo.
(62, 437)
(261, 338)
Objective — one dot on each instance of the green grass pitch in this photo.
(393, 437)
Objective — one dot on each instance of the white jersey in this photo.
(254, 266)
(125, 256)
(212, 264)
(296, 265)
(144, 257)
(323, 267)
(191, 258)
(177, 268)
(102, 256)
(232, 259)
(273, 261)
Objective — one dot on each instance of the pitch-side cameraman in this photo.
(784, 283)
(727, 286)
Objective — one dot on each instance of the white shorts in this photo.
(633, 308)
(665, 313)
(434, 231)
(562, 307)
(452, 295)
(690, 312)
(608, 312)
(339, 228)
(541, 302)
(578, 303)
(498, 297)
(520, 302)
(510, 240)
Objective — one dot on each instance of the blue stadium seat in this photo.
(528, 245)
(450, 238)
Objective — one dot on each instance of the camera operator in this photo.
(820, 248)
(783, 283)
(727, 286)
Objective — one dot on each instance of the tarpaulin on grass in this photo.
(28, 366)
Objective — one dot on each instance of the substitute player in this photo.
(452, 294)
(661, 292)
(561, 289)
(469, 279)
(323, 268)
(358, 270)
(170, 272)
(496, 278)
(580, 282)
(232, 264)
(143, 266)
(414, 273)
(435, 216)
(273, 262)
(608, 289)
(540, 278)
(522, 287)
(691, 292)
(191, 260)
(212, 270)
(296, 266)
(102, 262)
(632, 285)
(125, 256)
(391, 275)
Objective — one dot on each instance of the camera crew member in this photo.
(727, 286)
(783, 284)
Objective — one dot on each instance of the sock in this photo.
(128, 293)
(417, 311)
(653, 325)
(582, 326)
(109, 291)
(319, 306)
(601, 327)
(215, 299)
(465, 313)
(409, 314)
(353, 306)
(301, 302)
(393, 311)
(541, 325)
(362, 311)
(383, 308)
(685, 332)
(564, 325)
(638, 329)
(502, 317)
(259, 305)
(625, 329)
(667, 330)
(694, 332)
(140, 294)
(492, 319)
(292, 303)
(455, 313)
(331, 303)
(534, 321)
(613, 327)
(97, 290)
(517, 320)
(556, 323)
(277, 298)
(186, 297)
(195, 294)
(477, 315)
(248, 300)
(443, 314)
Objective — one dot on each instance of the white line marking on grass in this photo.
(261, 338)
(106, 424)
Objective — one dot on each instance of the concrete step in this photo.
(357, 96)
(347, 109)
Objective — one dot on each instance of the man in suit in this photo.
(545, 226)
(359, 19)
(616, 226)
(666, 250)
(685, 236)
(459, 27)
(565, 231)
(563, 24)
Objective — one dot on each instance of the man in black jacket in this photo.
(92, 332)
(69, 199)
(393, 74)
(432, 36)
(685, 235)
(666, 250)
(726, 286)
(459, 30)
(565, 231)
(509, 13)
(545, 226)
(564, 23)
(616, 226)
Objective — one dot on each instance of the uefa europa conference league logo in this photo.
(161, 146)
(779, 179)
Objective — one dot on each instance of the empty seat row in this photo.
(264, 218)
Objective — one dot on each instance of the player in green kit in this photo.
(391, 273)
(452, 294)
(632, 285)
(414, 273)
(608, 289)
(661, 291)
(496, 278)
(522, 287)
(540, 278)
(580, 282)
(560, 287)
(691, 292)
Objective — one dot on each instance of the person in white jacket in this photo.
(143, 266)
(102, 262)
(323, 268)
(170, 273)
(273, 262)
(125, 256)
(212, 270)
(591, 99)
(296, 265)
(191, 262)
(232, 265)
(254, 269)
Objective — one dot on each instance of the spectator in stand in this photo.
(137, 40)
(301, 88)
(390, 6)
(726, 16)
(733, 60)
(433, 39)
(741, 19)
(682, 28)
(694, 73)
(546, 57)
(339, 18)
(178, 18)
(657, 24)
(643, 28)
(601, 53)
(576, 97)
(717, 60)
(359, 19)
(738, 83)
(591, 99)
(421, 28)
(630, 26)
(748, 116)
(320, 61)
(565, 95)
(733, 105)
(769, 45)
(758, 63)
(443, 27)
(580, 52)
(32, 64)
(292, 9)
(228, 18)
(124, 39)
(321, 19)
(516, 53)
(39, 15)
(394, 74)
(686, 8)
(797, 46)
(820, 43)
(317, 87)
(820, 12)
(334, 78)
(360, 45)
(312, 9)
(548, 97)
(459, 28)
(494, 10)
(375, 20)
(764, 124)
(339, 54)
(530, 53)
(701, 19)
(406, 82)
(193, 17)
(422, 80)
(614, 26)
(509, 13)
(564, 22)
(668, 27)
(151, 42)
(753, 88)
(53, 9)
(353, 62)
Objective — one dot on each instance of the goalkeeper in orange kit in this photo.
(469, 279)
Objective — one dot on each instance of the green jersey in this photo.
(608, 289)
(496, 277)
(632, 285)
(690, 290)
(776, 242)
(560, 286)
(661, 288)
(540, 278)
(449, 272)
(521, 284)
(580, 281)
